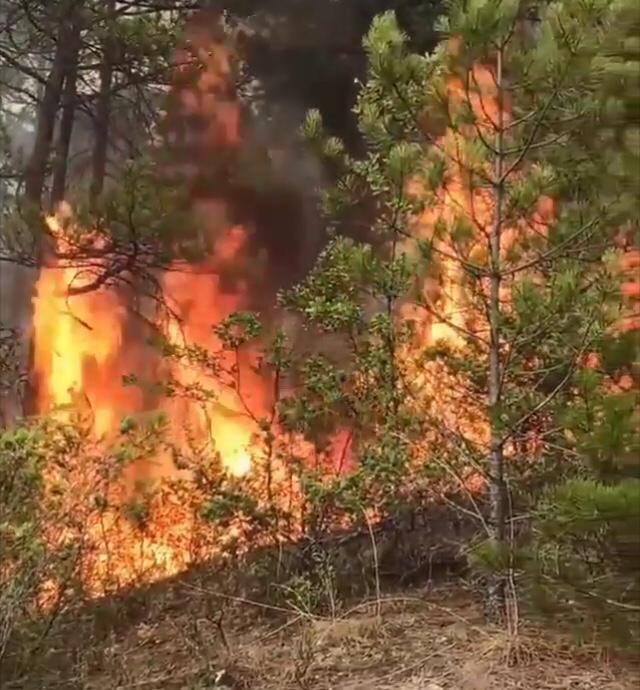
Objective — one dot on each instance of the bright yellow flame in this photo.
(239, 463)
(71, 334)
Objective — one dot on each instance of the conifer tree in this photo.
(494, 251)
(587, 528)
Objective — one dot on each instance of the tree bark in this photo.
(103, 109)
(496, 589)
(19, 309)
(69, 101)
(36, 170)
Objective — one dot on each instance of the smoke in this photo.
(16, 281)
(252, 209)
(231, 146)
(244, 164)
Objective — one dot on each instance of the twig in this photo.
(376, 568)
(419, 663)
(242, 600)
(280, 628)
(424, 602)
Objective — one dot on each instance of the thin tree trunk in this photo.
(69, 102)
(36, 169)
(103, 110)
(496, 589)
(35, 177)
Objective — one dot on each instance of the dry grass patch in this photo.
(438, 642)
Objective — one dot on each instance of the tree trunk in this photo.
(69, 98)
(22, 280)
(36, 170)
(103, 109)
(496, 589)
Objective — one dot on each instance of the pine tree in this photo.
(587, 528)
(496, 239)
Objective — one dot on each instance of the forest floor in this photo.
(187, 637)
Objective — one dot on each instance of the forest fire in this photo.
(87, 343)
(219, 397)
(82, 354)
(83, 349)
(260, 363)
(139, 497)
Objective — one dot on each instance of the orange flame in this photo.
(80, 358)
(78, 355)
(84, 348)
(446, 311)
(230, 416)
(81, 351)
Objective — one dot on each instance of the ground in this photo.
(188, 636)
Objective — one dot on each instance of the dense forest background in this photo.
(328, 310)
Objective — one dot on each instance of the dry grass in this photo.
(183, 642)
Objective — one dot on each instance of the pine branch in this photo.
(554, 250)
(558, 388)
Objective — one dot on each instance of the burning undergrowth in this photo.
(193, 440)
(195, 457)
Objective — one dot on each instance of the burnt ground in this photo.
(187, 635)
